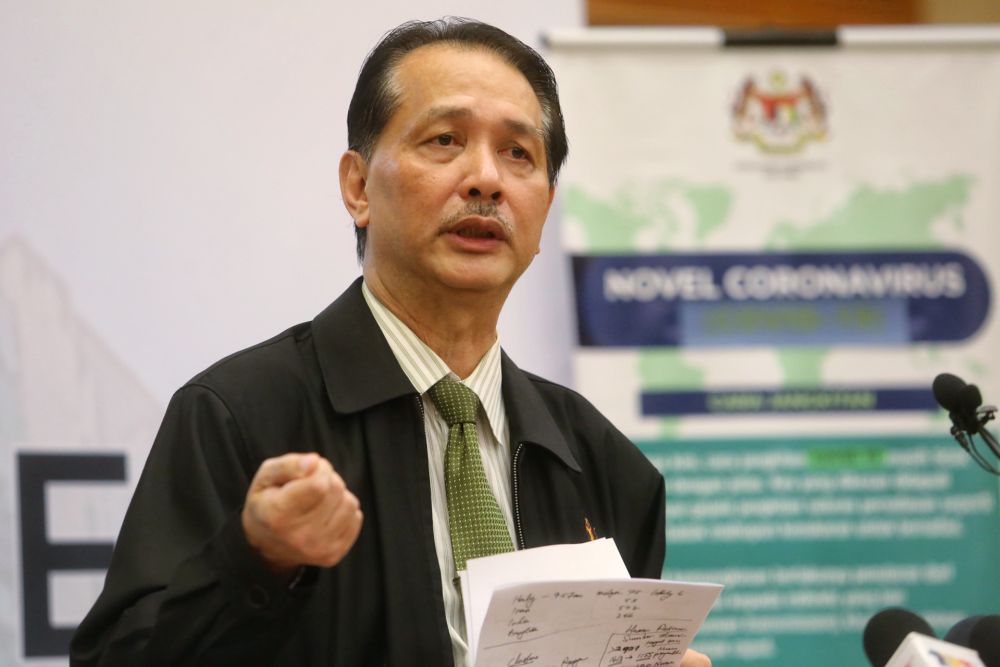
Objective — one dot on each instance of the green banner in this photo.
(812, 536)
(774, 252)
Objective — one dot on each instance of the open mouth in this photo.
(476, 227)
(476, 233)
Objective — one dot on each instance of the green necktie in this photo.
(474, 518)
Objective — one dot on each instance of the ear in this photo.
(353, 179)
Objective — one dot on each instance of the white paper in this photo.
(598, 559)
(575, 605)
(606, 623)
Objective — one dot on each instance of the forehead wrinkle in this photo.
(449, 112)
(527, 129)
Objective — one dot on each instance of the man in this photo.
(245, 542)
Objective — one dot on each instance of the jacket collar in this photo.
(529, 416)
(360, 371)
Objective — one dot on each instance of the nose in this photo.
(483, 179)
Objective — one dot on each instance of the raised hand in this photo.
(298, 511)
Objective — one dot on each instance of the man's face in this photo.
(456, 189)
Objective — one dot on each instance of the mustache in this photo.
(484, 209)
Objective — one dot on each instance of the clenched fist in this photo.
(298, 512)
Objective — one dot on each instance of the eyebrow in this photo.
(453, 112)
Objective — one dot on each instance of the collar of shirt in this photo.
(424, 367)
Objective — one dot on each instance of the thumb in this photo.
(283, 469)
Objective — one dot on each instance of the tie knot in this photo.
(456, 402)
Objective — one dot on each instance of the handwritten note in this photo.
(574, 605)
(598, 559)
(604, 623)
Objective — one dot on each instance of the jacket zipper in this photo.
(517, 503)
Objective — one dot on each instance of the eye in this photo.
(444, 140)
(518, 154)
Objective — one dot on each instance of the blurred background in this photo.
(168, 195)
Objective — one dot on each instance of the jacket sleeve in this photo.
(650, 547)
(640, 502)
(183, 587)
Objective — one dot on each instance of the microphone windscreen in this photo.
(985, 638)
(948, 391)
(970, 398)
(887, 629)
(961, 632)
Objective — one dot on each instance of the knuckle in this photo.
(264, 514)
(337, 485)
(317, 485)
(276, 523)
(352, 502)
(263, 473)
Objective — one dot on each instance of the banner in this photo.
(775, 249)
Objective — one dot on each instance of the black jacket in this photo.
(184, 588)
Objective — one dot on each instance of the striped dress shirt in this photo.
(424, 368)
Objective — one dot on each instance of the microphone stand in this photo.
(983, 415)
(970, 448)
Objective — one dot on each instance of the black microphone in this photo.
(985, 638)
(946, 388)
(887, 629)
(959, 399)
(981, 634)
(961, 632)
(963, 401)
